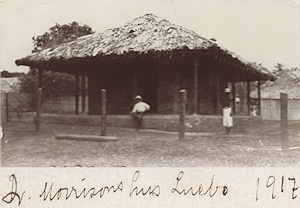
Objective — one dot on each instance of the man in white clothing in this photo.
(138, 111)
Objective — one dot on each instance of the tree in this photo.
(54, 84)
(60, 34)
(5, 73)
(279, 66)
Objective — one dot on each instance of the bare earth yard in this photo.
(259, 146)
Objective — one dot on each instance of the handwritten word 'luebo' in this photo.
(198, 190)
(67, 193)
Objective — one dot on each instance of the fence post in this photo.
(103, 112)
(6, 107)
(183, 99)
(38, 110)
(284, 121)
(1, 136)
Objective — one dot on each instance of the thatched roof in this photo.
(144, 35)
(287, 82)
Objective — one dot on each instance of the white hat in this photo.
(138, 97)
(227, 89)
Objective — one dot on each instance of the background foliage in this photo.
(8, 74)
(60, 34)
(54, 84)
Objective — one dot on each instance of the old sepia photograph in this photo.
(160, 83)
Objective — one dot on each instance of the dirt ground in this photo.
(259, 146)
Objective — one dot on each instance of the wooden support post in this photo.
(284, 121)
(6, 107)
(40, 78)
(233, 98)
(218, 92)
(103, 112)
(39, 101)
(89, 93)
(83, 93)
(38, 110)
(233, 93)
(76, 94)
(183, 99)
(135, 82)
(259, 98)
(195, 86)
(176, 89)
(248, 96)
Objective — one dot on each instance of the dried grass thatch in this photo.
(143, 35)
(286, 82)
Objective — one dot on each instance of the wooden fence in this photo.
(14, 103)
(270, 109)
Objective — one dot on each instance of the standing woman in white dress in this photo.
(227, 112)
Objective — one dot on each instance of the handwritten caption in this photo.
(266, 187)
(49, 193)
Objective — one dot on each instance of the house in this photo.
(154, 58)
(10, 96)
(288, 81)
(9, 84)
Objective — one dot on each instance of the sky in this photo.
(262, 31)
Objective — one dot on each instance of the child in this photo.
(227, 112)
